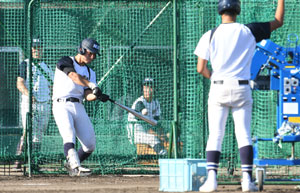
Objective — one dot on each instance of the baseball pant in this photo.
(72, 121)
(139, 135)
(222, 98)
(40, 119)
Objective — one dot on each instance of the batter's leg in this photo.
(85, 133)
(64, 121)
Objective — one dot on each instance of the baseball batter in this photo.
(149, 107)
(73, 82)
(230, 48)
(42, 77)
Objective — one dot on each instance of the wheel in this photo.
(260, 180)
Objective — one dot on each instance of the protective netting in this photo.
(137, 41)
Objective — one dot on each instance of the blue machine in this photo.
(283, 65)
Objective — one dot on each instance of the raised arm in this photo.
(279, 16)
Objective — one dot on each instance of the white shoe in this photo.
(78, 171)
(209, 186)
(248, 186)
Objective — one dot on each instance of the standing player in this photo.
(151, 108)
(42, 77)
(230, 48)
(73, 82)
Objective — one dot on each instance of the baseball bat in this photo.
(137, 114)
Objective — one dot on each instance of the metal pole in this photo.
(29, 114)
(293, 151)
(175, 118)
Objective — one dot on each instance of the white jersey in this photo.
(64, 87)
(41, 86)
(152, 107)
(234, 38)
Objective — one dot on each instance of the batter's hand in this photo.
(103, 97)
(97, 91)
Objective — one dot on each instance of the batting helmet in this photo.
(232, 5)
(36, 42)
(90, 45)
(148, 82)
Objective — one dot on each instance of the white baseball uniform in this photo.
(69, 113)
(230, 51)
(136, 132)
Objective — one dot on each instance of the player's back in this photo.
(231, 50)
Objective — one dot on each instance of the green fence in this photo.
(138, 39)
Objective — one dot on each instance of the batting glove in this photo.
(97, 91)
(103, 98)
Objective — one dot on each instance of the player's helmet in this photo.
(90, 45)
(232, 5)
(148, 82)
(36, 42)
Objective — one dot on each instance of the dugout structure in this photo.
(138, 38)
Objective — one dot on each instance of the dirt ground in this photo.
(104, 184)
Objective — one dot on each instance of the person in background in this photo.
(150, 107)
(42, 78)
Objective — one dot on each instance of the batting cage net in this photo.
(138, 39)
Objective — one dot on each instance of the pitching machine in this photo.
(283, 67)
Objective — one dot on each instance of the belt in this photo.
(42, 102)
(241, 82)
(71, 99)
